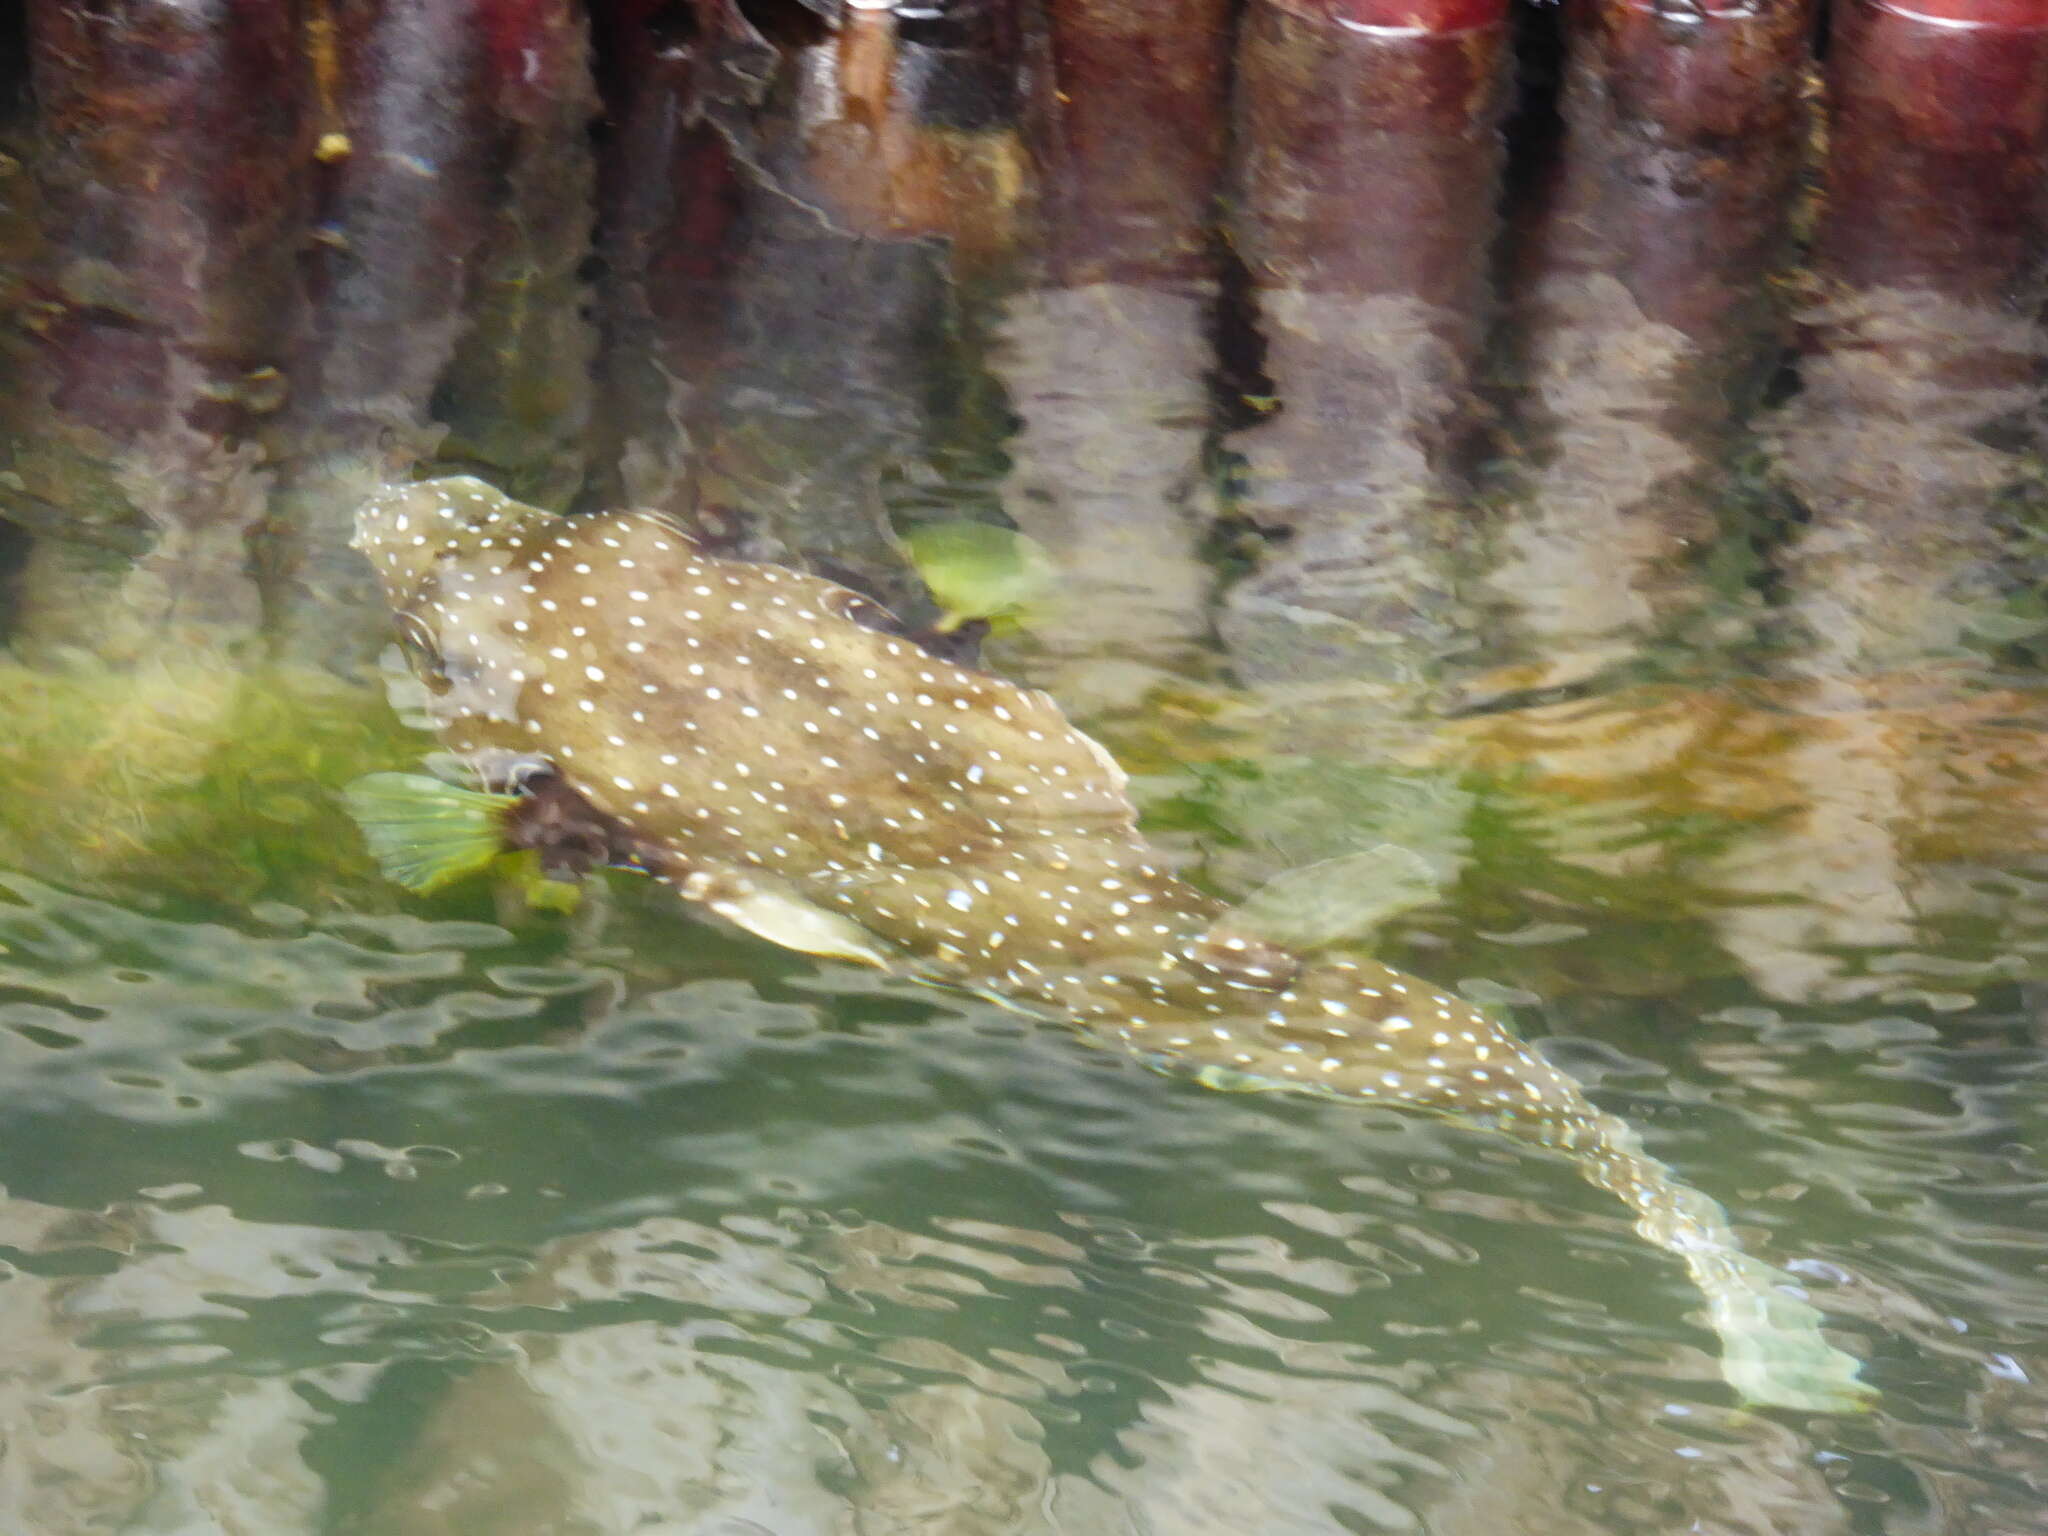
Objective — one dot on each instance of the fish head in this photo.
(416, 534)
(450, 554)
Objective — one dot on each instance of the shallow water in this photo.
(447, 1221)
(332, 1212)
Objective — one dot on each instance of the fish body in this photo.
(785, 758)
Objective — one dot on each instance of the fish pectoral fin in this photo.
(424, 832)
(785, 919)
(1335, 901)
(980, 571)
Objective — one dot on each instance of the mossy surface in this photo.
(193, 779)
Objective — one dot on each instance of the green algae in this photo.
(193, 778)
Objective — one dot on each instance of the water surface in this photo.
(446, 1218)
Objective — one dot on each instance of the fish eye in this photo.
(416, 642)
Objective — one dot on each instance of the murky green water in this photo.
(423, 1221)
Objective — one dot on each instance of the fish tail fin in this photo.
(1772, 1350)
(425, 833)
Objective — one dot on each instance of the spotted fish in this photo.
(765, 742)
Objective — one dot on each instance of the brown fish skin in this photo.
(783, 757)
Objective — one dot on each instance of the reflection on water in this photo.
(323, 1218)
(1681, 714)
(427, 1224)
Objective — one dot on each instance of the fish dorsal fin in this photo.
(1336, 901)
(783, 918)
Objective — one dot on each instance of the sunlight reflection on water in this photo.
(406, 1225)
